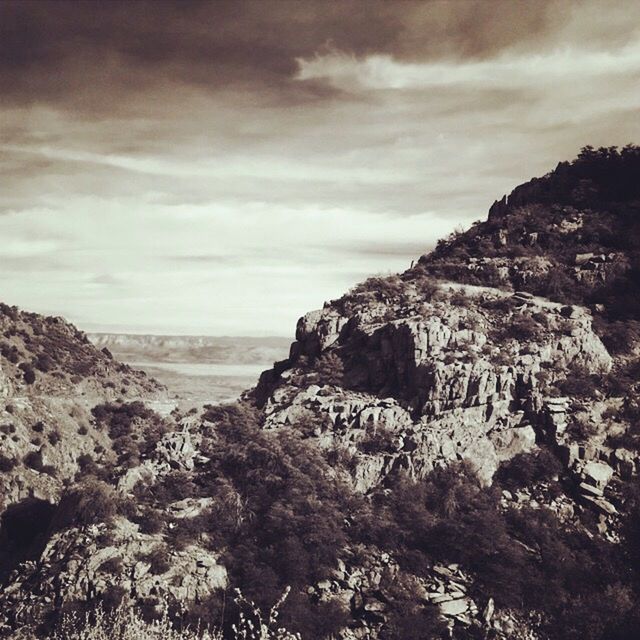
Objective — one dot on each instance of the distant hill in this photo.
(197, 369)
(193, 349)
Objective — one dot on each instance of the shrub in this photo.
(54, 437)
(44, 362)
(582, 429)
(620, 336)
(120, 417)
(329, 369)
(10, 312)
(524, 328)
(580, 383)
(379, 440)
(116, 619)
(112, 565)
(90, 502)
(560, 287)
(33, 460)
(7, 464)
(527, 469)
(460, 298)
(236, 414)
(10, 352)
(280, 512)
(28, 374)
(150, 521)
(158, 558)
(427, 287)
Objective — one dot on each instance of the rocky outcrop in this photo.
(81, 564)
(455, 381)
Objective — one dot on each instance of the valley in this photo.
(197, 370)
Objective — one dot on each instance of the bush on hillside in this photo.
(522, 328)
(7, 464)
(28, 374)
(33, 460)
(10, 352)
(89, 502)
(329, 369)
(620, 336)
(528, 469)
(579, 383)
(44, 362)
(377, 441)
(158, 559)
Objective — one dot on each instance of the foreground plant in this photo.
(125, 622)
(252, 625)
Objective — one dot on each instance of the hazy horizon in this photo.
(221, 168)
(191, 335)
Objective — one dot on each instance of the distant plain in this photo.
(197, 369)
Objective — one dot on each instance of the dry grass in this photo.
(126, 623)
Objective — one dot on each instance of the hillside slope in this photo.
(450, 452)
(51, 377)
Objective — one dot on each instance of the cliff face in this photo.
(436, 373)
(455, 358)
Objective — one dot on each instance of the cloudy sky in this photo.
(221, 168)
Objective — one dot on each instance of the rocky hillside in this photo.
(450, 452)
(51, 377)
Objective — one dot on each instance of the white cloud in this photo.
(280, 263)
(380, 72)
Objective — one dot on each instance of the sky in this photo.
(222, 168)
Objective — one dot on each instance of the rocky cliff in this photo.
(431, 372)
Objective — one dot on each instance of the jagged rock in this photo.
(454, 607)
(597, 474)
(145, 474)
(590, 489)
(601, 505)
(582, 258)
(625, 463)
(438, 407)
(487, 613)
(190, 507)
(73, 566)
(177, 450)
(511, 442)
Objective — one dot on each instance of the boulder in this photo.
(454, 607)
(589, 489)
(597, 474)
(601, 505)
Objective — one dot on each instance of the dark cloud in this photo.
(70, 52)
(409, 249)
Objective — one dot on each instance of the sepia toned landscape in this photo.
(319, 320)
